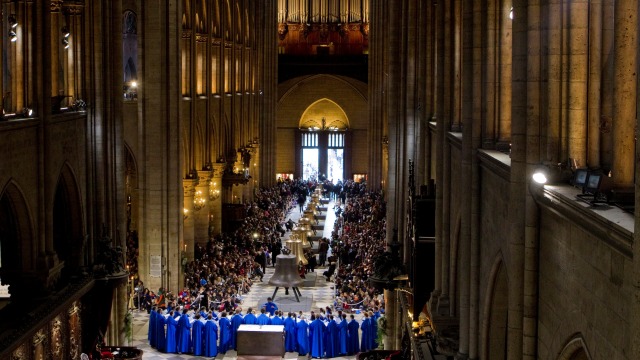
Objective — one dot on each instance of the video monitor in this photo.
(593, 183)
(580, 178)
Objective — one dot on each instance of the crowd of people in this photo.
(203, 318)
(358, 238)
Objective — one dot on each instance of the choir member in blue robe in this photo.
(277, 320)
(270, 306)
(353, 344)
(365, 342)
(197, 329)
(374, 331)
(225, 333)
(236, 321)
(159, 332)
(184, 334)
(376, 313)
(332, 343)
(302, 336)
(250, 318)
(290, 333)
(263, 318)
(172, 324)
(210, 338)
(342, 330)
(151, 336)
(316, 337)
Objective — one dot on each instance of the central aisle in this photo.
(322, 293)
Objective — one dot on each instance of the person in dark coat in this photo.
(302, 336)
(210, 338)
(353, 346)
(290, 333)
(316, 337)
(197, 330)
(225, 333)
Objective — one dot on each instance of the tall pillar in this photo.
(595, 75)
(391, 314)
(624, 92)
(188, 230)
(215, 199)
(201, 210)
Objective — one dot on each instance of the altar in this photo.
(260, 340)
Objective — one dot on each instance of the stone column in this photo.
(625, 89)
(215, 199)
(595, 74)
(391, 313)
(201, 211)
(188, 234)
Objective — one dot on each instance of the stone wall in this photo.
(296, 95)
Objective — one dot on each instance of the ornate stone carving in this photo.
(186, 34)
(56, 338)
(202, 37)
(56, 6)
(283, 29)
(364, 28)
(20, 353)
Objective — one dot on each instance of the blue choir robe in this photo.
(302, 338)
(225, 335)
(277, 320)
(210, 338)
(197, 329)
(365, 342)
(332, 344)
(290, 334)
(353, 342)
(184, 334)
(151, 335)
(159, 333)
(236, 321)
(263, 319)
(342, 331)
(317, 330)
(172, 324)
(250, 319)
(374, 333)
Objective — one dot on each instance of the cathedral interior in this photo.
(140, 126)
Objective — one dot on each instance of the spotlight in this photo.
(540, 176)
(13, 21)
(65, 42)
(13, 36)
(65, 32)
(134, 84)
(27, 112)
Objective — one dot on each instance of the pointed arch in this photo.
(575, 349)
(17, 241)
(327, 109)
(68, 220)
(495, 312)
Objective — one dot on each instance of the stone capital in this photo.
(204, 176)
(218, 170)
(189, 187)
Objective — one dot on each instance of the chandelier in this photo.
(198, 201)
(214, 193)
